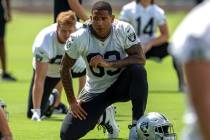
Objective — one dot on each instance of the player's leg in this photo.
(30, 102)
(2, 46)
(59, 107)
(180, 74)
(58, 89)
(161, 51)
(158, 52)
(48, 101)
(198, 79)
(73, 128)
(131, 85)
(3, 56)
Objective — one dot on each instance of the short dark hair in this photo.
(102, 5)
(152, 1)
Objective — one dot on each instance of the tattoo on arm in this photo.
(135, 56)
(66, 78)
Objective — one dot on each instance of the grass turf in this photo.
(163, 95)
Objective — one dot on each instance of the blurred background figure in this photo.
(74, 5)
(5, 16)
(191, 46)
(5, 132)
(146, 18)
(198, 1)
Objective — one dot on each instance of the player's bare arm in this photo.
(164, 36)
(38, 87)
(76, 109)
(78, 8)
(135, 56)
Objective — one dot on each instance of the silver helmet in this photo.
(155, 126)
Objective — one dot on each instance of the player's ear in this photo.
(113, 17)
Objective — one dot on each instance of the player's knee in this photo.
(137, 72)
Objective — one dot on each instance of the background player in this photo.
(5, 17)
(48, 49)
(146, 17)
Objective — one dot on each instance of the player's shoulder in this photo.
(157, 9)
(48, 30)
(121, 25)
(45, 36)
(81, 35)
(129, 6)
(122, 29)
(46, 33)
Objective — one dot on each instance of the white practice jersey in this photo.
(145, 21)
(192, 37)
(46, 48)
(113, 48)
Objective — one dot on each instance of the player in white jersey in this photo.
(191, 46)
(48, 49)
(114, 69)
(146, 17)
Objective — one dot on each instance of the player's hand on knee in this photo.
(77, 110)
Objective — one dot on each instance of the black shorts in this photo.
(159, 51)
(2, 28)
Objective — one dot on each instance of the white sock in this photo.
(38, 111)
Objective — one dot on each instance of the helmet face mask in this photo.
(155, 126)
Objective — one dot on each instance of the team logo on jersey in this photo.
(132, 37)
(68, 43)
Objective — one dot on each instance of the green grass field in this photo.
(163, 95)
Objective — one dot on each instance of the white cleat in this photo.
(108, 121)
(36, 115)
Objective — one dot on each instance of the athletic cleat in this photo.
(8, 77)
(36, 115)
(108, 122)
(133, 132)
(60, 109)
(51, 102)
